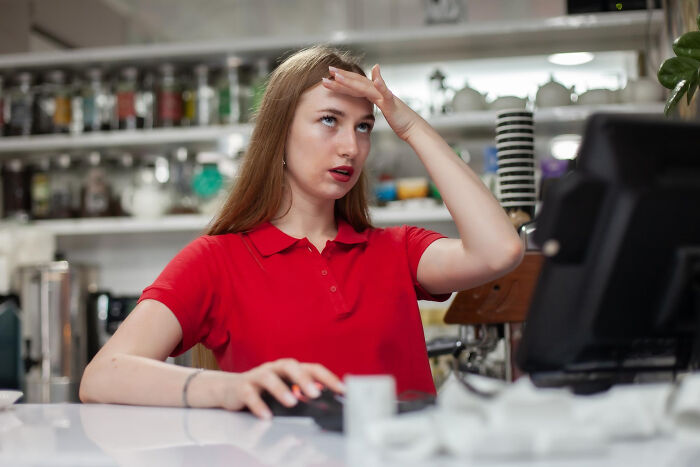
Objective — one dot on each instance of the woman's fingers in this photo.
(250, 397)
(299, 374)
(325, 376)
(352, 84)
(379, 82)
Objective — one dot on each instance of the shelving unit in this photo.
(595, 32)
(133, 139)
(197, 223)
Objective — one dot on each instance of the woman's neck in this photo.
(313, 220)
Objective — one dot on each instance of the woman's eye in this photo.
(328, 120)
(364, 127)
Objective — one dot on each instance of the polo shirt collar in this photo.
(269, 240)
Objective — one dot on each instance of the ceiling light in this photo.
(572, 58)
(565, 146)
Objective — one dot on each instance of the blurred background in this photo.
(124, 122)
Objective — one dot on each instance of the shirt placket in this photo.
(328, 280)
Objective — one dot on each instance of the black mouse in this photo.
(327, 402)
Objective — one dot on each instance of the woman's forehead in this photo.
(319, 97)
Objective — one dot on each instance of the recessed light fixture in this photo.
(571, 58)
(565, 146)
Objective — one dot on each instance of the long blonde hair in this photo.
(257, 194)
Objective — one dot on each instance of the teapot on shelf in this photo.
(553, 94)
(468, 99)
(146, 199)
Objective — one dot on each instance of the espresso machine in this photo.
(53, 296)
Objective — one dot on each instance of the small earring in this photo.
(284, 163)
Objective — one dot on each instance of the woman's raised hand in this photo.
(242, 390)
(400, 117)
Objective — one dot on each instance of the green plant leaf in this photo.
(675, 69)
(688, 45)
(692, 86)
(675, 96)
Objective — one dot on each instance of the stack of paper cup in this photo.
(515, 143)
(367, 399)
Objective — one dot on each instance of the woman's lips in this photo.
(340, 177)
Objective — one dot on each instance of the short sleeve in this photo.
(417, 240)
(186, 286)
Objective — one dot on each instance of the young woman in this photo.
(291, 282)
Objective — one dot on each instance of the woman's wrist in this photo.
(206, 389)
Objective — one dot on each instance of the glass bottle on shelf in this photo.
(44, 106)
(40, 192)
(121, 174)
(230, 93)
(2, 108)
(145, 101)
(181, 179)
(127, 88)
(169, 99)
(77, 123)
(62, 97)
(15, 190)
(64, 188)
(21, 105)
(97, 102)
(96, 191)
(259, 83)
(205, 98)
(189, 103)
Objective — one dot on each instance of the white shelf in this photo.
(122, 138)
(594, 32)
(544, 118)
(197, 223)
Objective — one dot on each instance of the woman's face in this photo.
(328, 143)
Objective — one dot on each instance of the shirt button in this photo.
(324, 272)
(308, 248)
(333, 289)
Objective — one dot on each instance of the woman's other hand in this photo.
(241, 390)
(400, 117)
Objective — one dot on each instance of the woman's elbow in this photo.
(87, 382)
(509, 257)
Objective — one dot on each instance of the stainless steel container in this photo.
(54, 329)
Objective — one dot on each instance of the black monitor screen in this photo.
(618, 294)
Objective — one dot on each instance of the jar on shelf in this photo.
(40, 191)
(64, 186)
(169, 98)
(96, 190)
(127, 87)
(15, 190)
(121, 170)
(182, 173)
(77, 123)
(97, 102)
(230, 93)
(21, 106)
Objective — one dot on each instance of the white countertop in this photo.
(98, 435)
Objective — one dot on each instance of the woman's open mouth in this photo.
(342, 174)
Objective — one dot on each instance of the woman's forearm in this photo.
(482, 223)
(129, 379)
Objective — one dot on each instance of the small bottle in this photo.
(169, 99)
(230, 93)
(15, 190)
(40, 190)
(2, 108)
(145, 102)
(77, 120)
(96, 192)
(21, 105)
(97, 102)
(206, 109)
(126, 99)
(62, 102)
(64, 188)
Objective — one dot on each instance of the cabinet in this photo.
(131, 252)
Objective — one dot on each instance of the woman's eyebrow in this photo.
(340, 113)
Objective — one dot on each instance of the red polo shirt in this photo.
(263, 295)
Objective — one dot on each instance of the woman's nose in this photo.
(347, 146)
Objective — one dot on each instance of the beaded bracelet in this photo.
(187, 383)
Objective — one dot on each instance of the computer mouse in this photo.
(327, 402)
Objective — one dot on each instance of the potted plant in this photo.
(681, 74)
